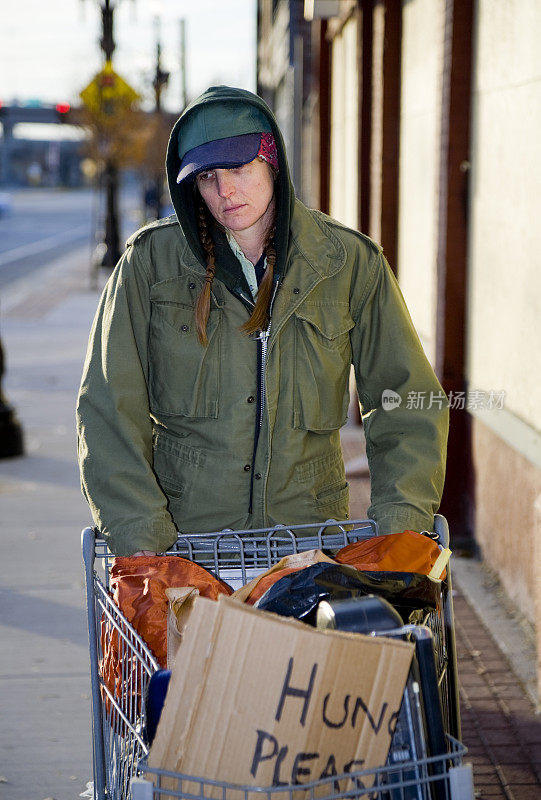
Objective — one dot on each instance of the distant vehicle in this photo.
(34, 173)
(5, 203)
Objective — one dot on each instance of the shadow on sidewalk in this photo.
(37, 469)
(43, 617)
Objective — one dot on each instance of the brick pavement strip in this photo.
(504, 736)
(526, 793)
(500, 726)
(534, 750)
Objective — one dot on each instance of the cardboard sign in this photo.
(261, 700)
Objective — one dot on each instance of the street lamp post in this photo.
(183, 90)
(159, 82)
(109, 251)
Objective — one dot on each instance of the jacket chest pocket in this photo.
(322, 366)
(184, 376)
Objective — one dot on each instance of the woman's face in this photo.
(240, 198)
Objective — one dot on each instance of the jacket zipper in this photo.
(262, 344)
(263, 340)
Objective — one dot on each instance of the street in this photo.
(42, 224)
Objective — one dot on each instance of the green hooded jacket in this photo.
(166, 427)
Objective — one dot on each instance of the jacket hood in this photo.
(182, 195)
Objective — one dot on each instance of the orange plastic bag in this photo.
(398, 552)
(138, 586)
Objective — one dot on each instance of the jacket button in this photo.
(251, 399)
(191, 285)
(247, 468)
(296, 290)
(258, 476)
(184, 328)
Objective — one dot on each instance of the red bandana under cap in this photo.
(267, 150)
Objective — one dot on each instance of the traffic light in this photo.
(108, 92)
(62, 111)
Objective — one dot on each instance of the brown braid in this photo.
(259, 320)
(202, 308)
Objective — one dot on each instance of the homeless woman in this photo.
(217, 374)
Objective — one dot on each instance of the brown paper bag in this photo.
(180, 607)
(256, 588)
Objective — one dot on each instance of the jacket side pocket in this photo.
(322, 366)
(176, 465)
(334, 501)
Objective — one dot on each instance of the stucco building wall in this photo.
(505, 252)
(344, 126)
(504, 330)
(422, 61)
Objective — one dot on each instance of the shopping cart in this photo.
(414, 771)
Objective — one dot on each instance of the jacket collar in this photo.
(315, 253)
(314, 239)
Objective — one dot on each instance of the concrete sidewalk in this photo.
(45, 740)
(45, 746)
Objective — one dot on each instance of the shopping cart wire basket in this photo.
(414, 770)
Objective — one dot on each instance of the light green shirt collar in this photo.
(246, 264)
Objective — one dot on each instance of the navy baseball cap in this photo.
(221, 153)
(220, 135)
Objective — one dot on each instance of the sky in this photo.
(49, 49)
